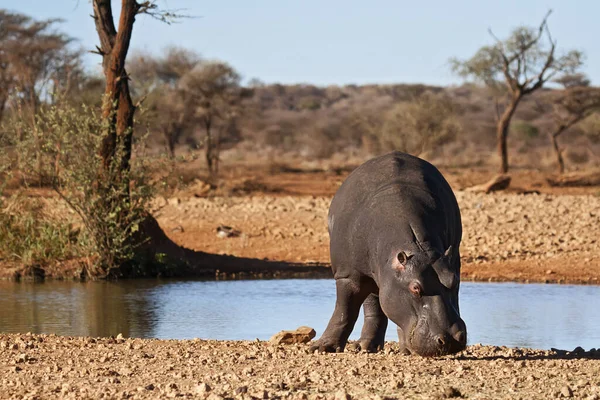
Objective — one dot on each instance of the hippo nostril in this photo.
(461, 337)
(440, 340)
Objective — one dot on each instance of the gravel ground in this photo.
(497, 227)
(41, 366)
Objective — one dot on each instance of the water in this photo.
(538, 316)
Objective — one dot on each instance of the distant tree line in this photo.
(188, 102)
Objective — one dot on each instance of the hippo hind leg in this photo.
(349, 298)
(372, 336)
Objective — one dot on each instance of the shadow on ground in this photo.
(183, 262)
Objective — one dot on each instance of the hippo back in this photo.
(396, 193)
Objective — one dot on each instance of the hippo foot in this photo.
(324, 345)
(402, 349)
(369, 345)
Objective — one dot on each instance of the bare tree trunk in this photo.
(3, 101)
(217, 152)
(209, 147)
(118, 107)
(558, 151)
(502, 131)
(170, 140)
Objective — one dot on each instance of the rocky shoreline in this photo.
(48, 366)
(530, 238)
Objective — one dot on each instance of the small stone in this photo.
(396, 384)
(566, 391)
(303, 334)
(342, 395)
(203, 388)
(178, 229)
(149, 387)
(451, 392)
(242, 389)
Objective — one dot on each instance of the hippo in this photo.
(395, 231)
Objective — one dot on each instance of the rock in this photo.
(224, 231)
(303, 334)
(451, 392)
(342, 395)
(566, 391)
(499, 182)
(241, 390)
(202, 388)
(178, 229)
(578, 350)
(201, 188)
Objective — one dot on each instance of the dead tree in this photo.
(571, 106)
(520, 65)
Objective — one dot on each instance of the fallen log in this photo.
(588, 178)
(499, 182)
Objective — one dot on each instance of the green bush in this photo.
(29, 237)
(62, 149)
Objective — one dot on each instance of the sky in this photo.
(327, 42)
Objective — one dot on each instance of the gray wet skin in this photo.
(395, 232)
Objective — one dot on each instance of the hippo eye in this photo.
(415, 289)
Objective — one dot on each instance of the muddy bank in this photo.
(41, 366)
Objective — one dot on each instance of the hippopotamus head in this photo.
(420, 295)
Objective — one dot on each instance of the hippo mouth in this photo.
(422, 342)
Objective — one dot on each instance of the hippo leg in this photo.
(401, 342)
(372, 336)
(347, 307)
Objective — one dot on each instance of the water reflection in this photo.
(78, 309)
(540, 316)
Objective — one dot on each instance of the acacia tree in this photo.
(521, 64)
(116, 210)
(35, 59)
(213, 90)
(570, 106)
(158, 79)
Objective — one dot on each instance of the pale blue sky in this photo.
(339, 41)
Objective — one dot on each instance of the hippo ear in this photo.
(447, 277)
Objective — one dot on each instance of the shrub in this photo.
(525, 130)
(63, 145)
(421, 125)
(30, 237)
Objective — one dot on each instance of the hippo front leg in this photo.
(402, 342)
(372, 336)
(349, 298)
